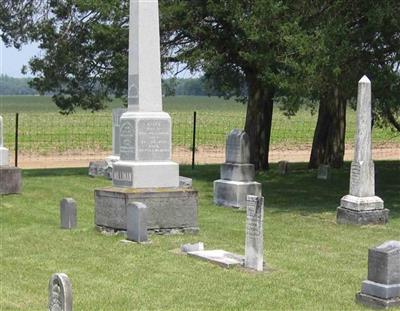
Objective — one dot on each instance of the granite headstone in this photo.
(136, 222)
(68, 213)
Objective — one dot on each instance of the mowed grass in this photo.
(43, 130)
(314, 264)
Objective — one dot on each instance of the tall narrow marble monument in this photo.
(10, 176)
(237, 173)
(145, 171)
(361, 206)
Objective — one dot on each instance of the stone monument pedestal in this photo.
(234, 193)
(168, 208)
(10, 180)
(3, 156)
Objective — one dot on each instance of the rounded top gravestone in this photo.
(238, 147)
(60, 293)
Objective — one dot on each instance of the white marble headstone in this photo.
(60, 293)
(254, 248)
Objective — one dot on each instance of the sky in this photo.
(12, 60)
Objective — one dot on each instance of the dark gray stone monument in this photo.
(361, 206)
(68, 213)
(382, 289)
(136, 222)
(237, 174)
(60, 293)
(10, 176)
(254, 247)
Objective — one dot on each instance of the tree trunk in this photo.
(329, 136)
(258, 124)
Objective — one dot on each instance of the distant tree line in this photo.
(15, 86)
(188, 87)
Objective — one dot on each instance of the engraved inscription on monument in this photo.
(254, 247)
(154, 142)
(122, 176)
(355, 178)
(60, 293)
(127, 140)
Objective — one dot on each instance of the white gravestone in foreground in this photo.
(254, 248)
(145, 130)
(361, 206)
(3, 150)
(60, 293)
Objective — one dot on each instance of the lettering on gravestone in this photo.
(127, 140)
(354, 178)
(154, 141)
(122, 176)
(254, 247)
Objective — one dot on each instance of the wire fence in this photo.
(55, 140)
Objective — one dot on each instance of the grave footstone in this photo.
(60, 293)
(382, 288)
(237, 174)
(361, 206)
(254, 247)
(323, 172)
(136, 225)
(10, 176)
(68, 213)
(145, 171)
(185, 248)
(283, 167)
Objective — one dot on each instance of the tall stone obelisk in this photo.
(361, 206)
(145, 172)
(145, 130)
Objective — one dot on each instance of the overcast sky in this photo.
(12, 60)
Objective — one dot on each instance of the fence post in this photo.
(194, 139)
(16, 140)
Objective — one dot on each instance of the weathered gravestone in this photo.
(283, 167)
(382, 289)
(10, 176)
(237, 174)
(254, 247)
(60, 293)
(361, 206)
(68, 213)
(323, 172)
(136, 222)
(186, 248)
(145, 171)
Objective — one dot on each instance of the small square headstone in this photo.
(60, 293)
(323, 172)
(68, 213)
(136, 222)
(185, 248)
(382, 289)
(283, 167)
(254, 248)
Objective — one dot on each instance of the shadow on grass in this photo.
(75, 171)
(301, 191)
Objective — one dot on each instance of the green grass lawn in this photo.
(44, 131)
(317, 265)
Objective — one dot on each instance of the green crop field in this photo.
(43, 130)
(314, 264)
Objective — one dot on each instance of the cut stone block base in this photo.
(375, 302)
(234, 193)
(361, 203)
(10, 180)
(384, 291)
(168, 208)
(350, 217)
(162, 174)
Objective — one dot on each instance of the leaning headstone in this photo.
(10, 176)
(382, 289)
(60, 293)
(323, 172)
(254, 248)
(361, 206)
(68, 213)
(185, 248)
(237, 174)
(283, 167)
(136, 223)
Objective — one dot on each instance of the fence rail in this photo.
(51, 139)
